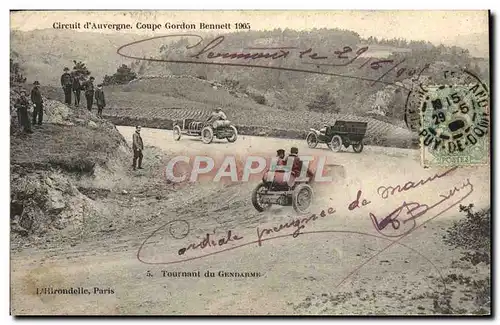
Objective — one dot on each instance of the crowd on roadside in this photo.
(73, 84)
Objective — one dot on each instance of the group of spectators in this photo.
(23, 105)
(72, 83)
(75, 83)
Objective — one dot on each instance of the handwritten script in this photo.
(398, 223)
(210, 54)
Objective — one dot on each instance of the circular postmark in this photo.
(451, 116)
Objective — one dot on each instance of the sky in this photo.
(434, 26)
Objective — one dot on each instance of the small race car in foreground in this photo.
(279, 190)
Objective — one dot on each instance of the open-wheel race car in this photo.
(342, 133)
(207, 131)
(280, 191)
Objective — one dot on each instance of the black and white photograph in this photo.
(250, 163)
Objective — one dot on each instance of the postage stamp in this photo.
(455, 125)
(452, 119)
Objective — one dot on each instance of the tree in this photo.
(324, 103)
(16, 75)
(80, 68)
(123, 76)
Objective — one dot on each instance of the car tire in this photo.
(177, 132)
(255, 198)
(312, 140)
(207, 134)
(302, 197)
(336, 143)
(357, 147)
(234, 137)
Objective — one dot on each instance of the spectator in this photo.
(22, 104)
(137, 147)
(67, 84)
(100, 100)
(89, 92)
(37, 100)
(77, 88)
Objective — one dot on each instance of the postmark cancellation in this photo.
(454, 124)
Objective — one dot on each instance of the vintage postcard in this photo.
(250, 163)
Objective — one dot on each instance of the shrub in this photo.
(323, 103)
(472, 234)
(123, 76)
(16, 75)
(260, 99)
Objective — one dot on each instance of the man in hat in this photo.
(297, 166)
(67, 84)
(22, 104)
(137, 147)
(36, 99)
(100, 100)
(77, 87)
(280, 153)
(88, 87)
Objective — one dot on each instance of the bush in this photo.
(472, 234)
(323, 103)
(16, 75)
(123, 76)
(259, 99)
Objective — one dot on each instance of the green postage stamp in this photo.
(455, 125)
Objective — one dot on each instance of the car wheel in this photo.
(207, 134)
(234, 136)
(357, 147)
(336, 143)
(312, 140)
(177, 132)
(257, 198)
(302, 198)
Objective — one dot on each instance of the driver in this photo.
(217, 118)
(280, 153)
(297, 165)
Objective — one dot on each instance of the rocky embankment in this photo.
(71, 147)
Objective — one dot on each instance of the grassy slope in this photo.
(72, 148)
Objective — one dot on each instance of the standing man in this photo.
(137, 146)
(22, 104)
(67, 83)
(100, 100)
(36, 99)
(89, 92)
(77, 88)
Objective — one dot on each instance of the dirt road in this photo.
(338, 264)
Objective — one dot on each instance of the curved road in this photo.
(339, 264)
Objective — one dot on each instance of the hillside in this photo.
(44, 53)
(260, 101)
(158, 102)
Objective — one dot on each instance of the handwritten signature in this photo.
(412, 211)
(347, 56)
(415, 206)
